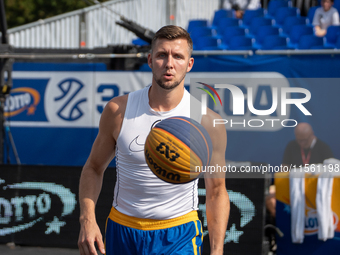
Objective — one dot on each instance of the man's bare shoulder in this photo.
(208, 120)
(218, 133)
(117, 105)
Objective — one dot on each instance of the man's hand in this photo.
(102, 153)
(89, 234)
(320, 32)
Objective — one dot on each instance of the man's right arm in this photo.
(102, 153)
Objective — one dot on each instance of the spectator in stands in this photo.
(324, 17)
(241, 5)
(305, 149)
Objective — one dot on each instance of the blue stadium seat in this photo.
(258, 22)
(206, 43)
(283, 12)
(274, 5)
(307, 42)
(249, 15)
(198, 32)
(196, 23)
(336, 5)
(274, 42)
(296, 32)
(230, 32)
(140, 42)
(332, 35)
(241, 43)
(219, 14)
(225, 23)
(262, 32)
(310, 14)
(337, 44)
(291, 21)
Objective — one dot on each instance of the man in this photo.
(306, 149)
(324, 17)
(239, 6)
(150, 216)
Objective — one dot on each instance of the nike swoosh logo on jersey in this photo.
(135, 146)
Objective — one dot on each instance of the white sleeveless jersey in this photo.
(138, 192)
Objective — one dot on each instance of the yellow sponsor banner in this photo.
(282, 195)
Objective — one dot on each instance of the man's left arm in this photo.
(327, 151)
(217, 199)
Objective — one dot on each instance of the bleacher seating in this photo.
(307, 42)
(219, 14)
(139, 42)
(207, 43)
(262, 32)
(274, 5)
(198, 32)
(337, 44)
(249, 15)
(232, 32)
(310, 14)
(196, 23)
(333, 33)
(289, 22)
(336, 5)
(257, 22)
(296, 32)
(241, 43)
(278, 27)
(225, 23)
(283, 12)
(274, 42)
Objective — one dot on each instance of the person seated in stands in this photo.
(306, 149)
(324, 17)
(239, 6)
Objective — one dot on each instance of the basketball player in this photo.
(150, 216)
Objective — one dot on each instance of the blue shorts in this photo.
(133, 236)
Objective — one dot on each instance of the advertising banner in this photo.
(53, 111)
(39, 206)
(311, 222)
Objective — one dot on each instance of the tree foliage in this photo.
(20, 12)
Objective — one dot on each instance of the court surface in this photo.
(28, 250)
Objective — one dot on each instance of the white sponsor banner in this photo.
(76, 99)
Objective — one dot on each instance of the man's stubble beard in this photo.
(163, 86)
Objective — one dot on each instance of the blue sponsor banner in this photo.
(40, 207)
(61, 127)
(311, 244)
(51, 146)
(26, 101)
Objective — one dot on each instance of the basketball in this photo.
(177, 149)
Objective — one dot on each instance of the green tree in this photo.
(20, 12)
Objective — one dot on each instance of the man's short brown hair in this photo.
(171, 33)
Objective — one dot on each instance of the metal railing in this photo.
(95, 26)
(298, 52)
(205, 53)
